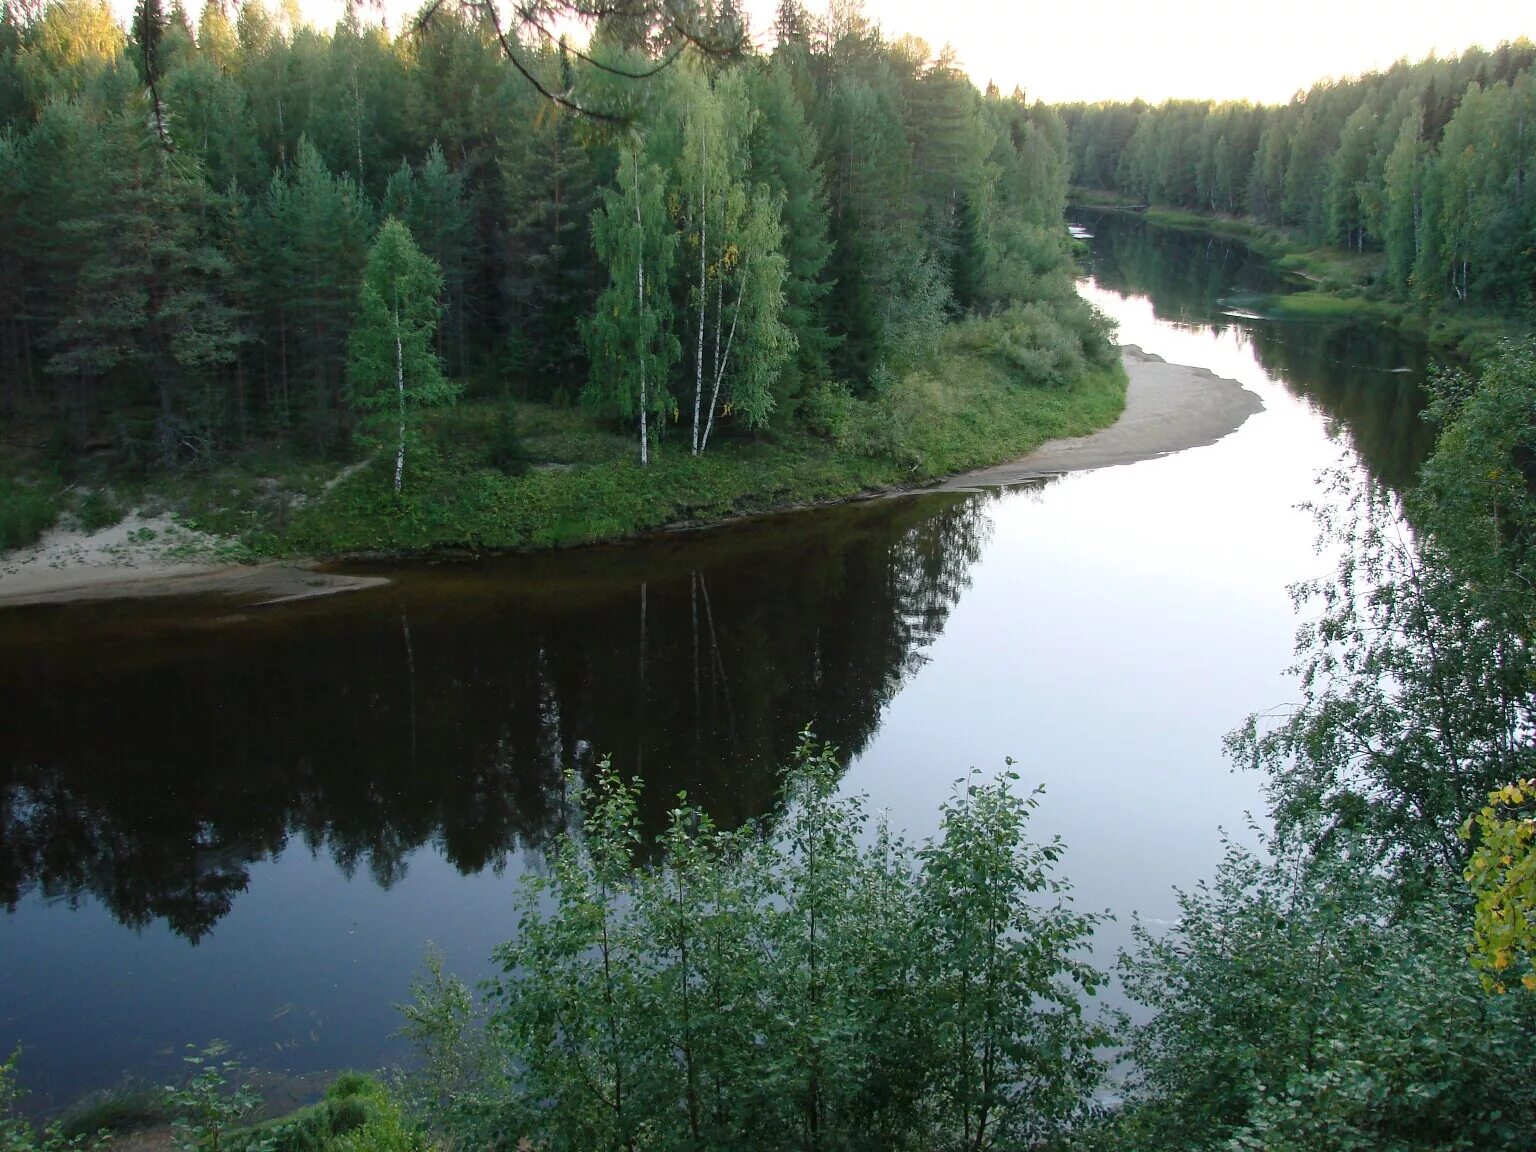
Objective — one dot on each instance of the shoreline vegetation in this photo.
(1331, 283)
(1401, 196)
(577, 486)
(321, 303)
(1138, 409)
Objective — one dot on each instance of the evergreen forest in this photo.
(472, 284)
(1427, 166)
(684, 239)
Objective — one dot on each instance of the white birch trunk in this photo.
(722, 359)
(645, 444)
(400, 391)
(698, 357)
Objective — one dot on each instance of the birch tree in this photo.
(631, 339)
(733, 240)
(394, 371)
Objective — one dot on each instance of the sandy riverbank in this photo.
(154, 556)
(1168, 408)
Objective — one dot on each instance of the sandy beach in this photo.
(1168, 408)
(154, 556)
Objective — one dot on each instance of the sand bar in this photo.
(142, 557)
(1168, 408)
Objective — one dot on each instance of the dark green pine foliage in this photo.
(16, 370)
(877, 191)
(439, 218)
(783, 156)
(320, 226)
(550, 281)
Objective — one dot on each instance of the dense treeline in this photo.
(1428, 164)
(180, 260)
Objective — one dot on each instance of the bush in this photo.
(768, 987)
(505, 451)
(826, 410)
(97, 510)
(1300, 1005)
(26, 512)
(117, 1110)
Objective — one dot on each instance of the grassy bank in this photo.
(498, 474)
(986, 396)
(1332, 283)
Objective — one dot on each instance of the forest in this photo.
(436, 256)
(195, 252)
(1425, 165)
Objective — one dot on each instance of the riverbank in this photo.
(155, 556)
(1145, 409)
(1168, 408)
(1331, 283)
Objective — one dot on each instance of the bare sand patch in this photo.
(1168, 408)
(154, 556)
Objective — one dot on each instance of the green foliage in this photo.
(506, 451)
(206, 1105)
(1300, 1005)
(126, 1108)
(1321, 998)
(394, 371)
(98, 509)
(1415, 696)
(17, 1133)
(966, 410)
(816, 983)
(26, 512)
(457, 1066)
(357, 1114)
(1420, 172)
(1502, 876)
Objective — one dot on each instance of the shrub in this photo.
(819, 981)
(505, 451)
(97, 510)
(26, 512)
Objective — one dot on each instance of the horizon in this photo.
(1138, 52)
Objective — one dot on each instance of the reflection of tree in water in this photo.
(150, 774)
(1363, 376)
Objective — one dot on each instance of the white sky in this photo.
(1122, 49)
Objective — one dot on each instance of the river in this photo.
(247, 823)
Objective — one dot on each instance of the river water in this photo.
(247, 823)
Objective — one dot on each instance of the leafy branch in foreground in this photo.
(1502, 876)
(1300, 1005)
(820, 984)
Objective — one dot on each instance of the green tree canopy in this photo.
(394, 371)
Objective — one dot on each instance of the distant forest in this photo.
(1428, 163)
(183, 231)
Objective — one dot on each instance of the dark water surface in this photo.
(247, 823)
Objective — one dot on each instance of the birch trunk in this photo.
(722, 359)
(645, 447)
(400, 391)
(698, 358)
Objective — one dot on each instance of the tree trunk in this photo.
(645, 449)
(400, 391)
(698, 358)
